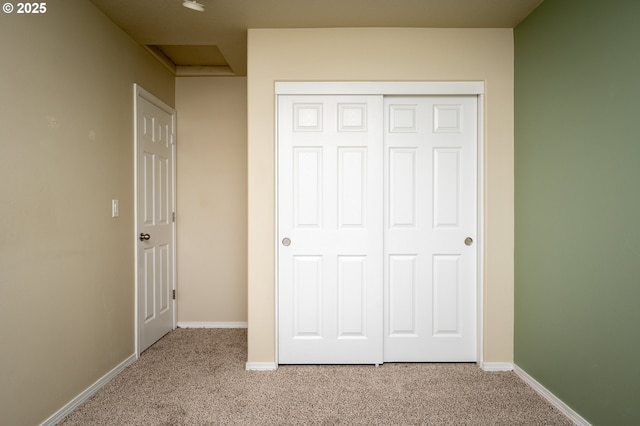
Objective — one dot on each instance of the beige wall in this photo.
(212, 199)
(66, 150)
(383, 54)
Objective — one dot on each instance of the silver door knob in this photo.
(144, 236)
(468, 241)
(286, 242)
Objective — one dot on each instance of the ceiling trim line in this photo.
(203, 71)
(162, 58)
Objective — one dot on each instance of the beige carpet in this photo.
(197, 377)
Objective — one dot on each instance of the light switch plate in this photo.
(114, 208)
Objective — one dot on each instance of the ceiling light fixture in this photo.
(194, 5)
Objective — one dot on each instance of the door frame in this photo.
(140, 93)
(390, 88)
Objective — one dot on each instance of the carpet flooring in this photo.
(197, 377)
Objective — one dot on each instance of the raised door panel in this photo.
(307, 297)
(446, 295)
(164, 278)
(148, 283)
(352, 297)
(447, 191)
(352, 187)
(403, 187)
(403, 285)
(307, 187)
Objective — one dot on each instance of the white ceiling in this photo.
(224, 23)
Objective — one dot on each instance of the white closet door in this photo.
(330, 226)
(430, 228)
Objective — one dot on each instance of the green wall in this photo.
(577, 212)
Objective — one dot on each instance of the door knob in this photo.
(468, 241)
(144, 236)
(286, 242)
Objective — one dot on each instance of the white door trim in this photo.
(480, 228)
(139, 92)
(387, 88)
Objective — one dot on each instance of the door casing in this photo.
(415, 88)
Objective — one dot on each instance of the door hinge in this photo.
(173, 216)
(174, 295)
(173, 139)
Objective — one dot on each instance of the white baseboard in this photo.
(497, 366)
(192, 324)
(87, 393)
(553, 400)
(261, 366)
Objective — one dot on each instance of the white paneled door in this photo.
(430, 228)
(377, 211)
(155, 133)
(330, 229)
